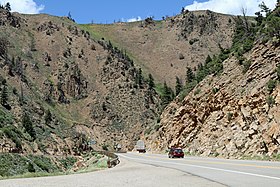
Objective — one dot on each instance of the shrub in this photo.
(105, 147)
(197, 91)
(192, 41)
(44, 163)
(157, 127)
(27, 124)
(14, 134)
(270, 101)
(68, 162)
(229, 116)
(246, 65)
(215, 90)
(271, 85)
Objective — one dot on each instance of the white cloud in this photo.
(232, 6)
(23, 6)
(134, 19)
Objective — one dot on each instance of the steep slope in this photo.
(165, 48)
(61, 89)
(234, 114)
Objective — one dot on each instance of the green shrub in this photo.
(246, 65)
(105, 147)
(271, 85)
(30, 168)
(27, 124)
(14, 134)
(215, 90)
(229, 116)
(68, 162)
(44, 163)
(197, 91)
(12, 164)
(270, 101)
(157, 127)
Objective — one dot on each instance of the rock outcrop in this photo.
(231, 115)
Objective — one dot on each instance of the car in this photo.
(176, 152)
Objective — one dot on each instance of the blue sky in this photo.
(108, 11)
(85, 11)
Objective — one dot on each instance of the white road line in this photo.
(205, 167)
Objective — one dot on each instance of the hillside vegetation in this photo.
(234, 113)
(205, 81)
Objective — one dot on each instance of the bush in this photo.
(270, 101)
(68, 162)
(8, 166)
(27, 124)
(14, 134)
(105, 147)
(229, 116)
(246, 65)
(192, 41)
(44, 163)
(157, 127)
(271, 85)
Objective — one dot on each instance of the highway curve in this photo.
(127, 174)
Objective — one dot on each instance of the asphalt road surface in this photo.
(223, 171)
(157, 170)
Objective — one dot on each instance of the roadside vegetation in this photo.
(41, 165)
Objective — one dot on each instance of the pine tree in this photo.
(208, 59)
(27, 124)
(8, 6)
(179, 86)
(190, 75)
(139, 78)
(167, 95)
(4, 95)
(151, 82)
(48, 117)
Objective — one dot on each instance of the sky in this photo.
(109, 11)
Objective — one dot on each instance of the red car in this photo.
(176, 152)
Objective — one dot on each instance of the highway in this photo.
(223, 171)
(157, 170)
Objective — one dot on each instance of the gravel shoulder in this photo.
(126, 174)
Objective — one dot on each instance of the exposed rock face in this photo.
(6, 18)
(232, 115)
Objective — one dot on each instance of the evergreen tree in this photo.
(208, 60)
(139, 78)
(151, 82)
(8, 6)
(179, 86)
(264, 8)
(27, 124)
(4, 95)
(167, 95)
(48, 117)
(4, 47)
(190, 75)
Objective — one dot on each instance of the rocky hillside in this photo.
(165, 48)
(68, 88)
(234, 114)
(61, 89)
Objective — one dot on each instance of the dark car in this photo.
(176, 152)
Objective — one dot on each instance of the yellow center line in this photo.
(212, 162)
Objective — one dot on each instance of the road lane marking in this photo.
(220, 163)
(204, 167)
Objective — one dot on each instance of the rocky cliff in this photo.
(235, 114)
